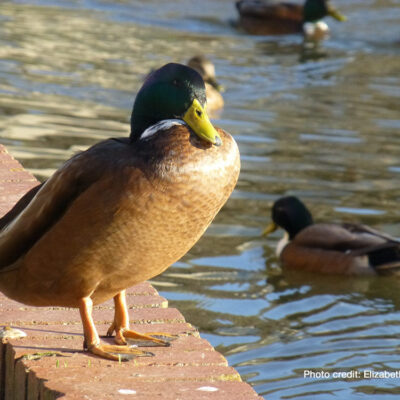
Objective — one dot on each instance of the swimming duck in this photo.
(206, 69)
(269, 17)
(330, 248)
(122, 211)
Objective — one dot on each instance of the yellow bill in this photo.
(197, 118)
(272, 227)
(336, 14)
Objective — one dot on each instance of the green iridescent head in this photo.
(290, 214)
(315, 10)
(174, 91)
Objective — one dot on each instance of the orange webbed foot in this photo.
(124, 336)
(117, 353)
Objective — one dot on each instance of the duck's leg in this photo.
(92, 340)
(121, 326)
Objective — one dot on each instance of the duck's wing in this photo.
(270, 9)
(360, 229)
(342, 249)
(19, 206)
(341, 238)
(45, 204)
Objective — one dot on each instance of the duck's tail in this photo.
(385, 259)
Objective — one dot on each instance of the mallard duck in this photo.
(271, 17)
(330, 248)
(206, 69)
(122, 211)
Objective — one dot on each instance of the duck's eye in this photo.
(199, 113)
(175, 82)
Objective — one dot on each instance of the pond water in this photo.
(322, 125)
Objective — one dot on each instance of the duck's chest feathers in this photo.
(173, 155)
(315, 31)
(178, 192)
(282, 244)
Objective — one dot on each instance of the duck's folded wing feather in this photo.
(269, 9)
(40, 208)
(337, 238)
(19, 206)
(361, 229)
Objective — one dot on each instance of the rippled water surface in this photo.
(323, 125)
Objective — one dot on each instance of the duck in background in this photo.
(327, 248)
(122, 211)
(206, 69)
(269, 17)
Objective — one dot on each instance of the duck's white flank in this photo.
(315, 30)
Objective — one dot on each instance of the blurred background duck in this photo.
(345, 248)
(206, 69)
(274, 17)
(122, 211)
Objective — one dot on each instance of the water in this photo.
(323, 126)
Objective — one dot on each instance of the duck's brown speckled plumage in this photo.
(114, 216)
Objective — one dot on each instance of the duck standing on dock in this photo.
(122, 211)
(346, 248)
(275, 17)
